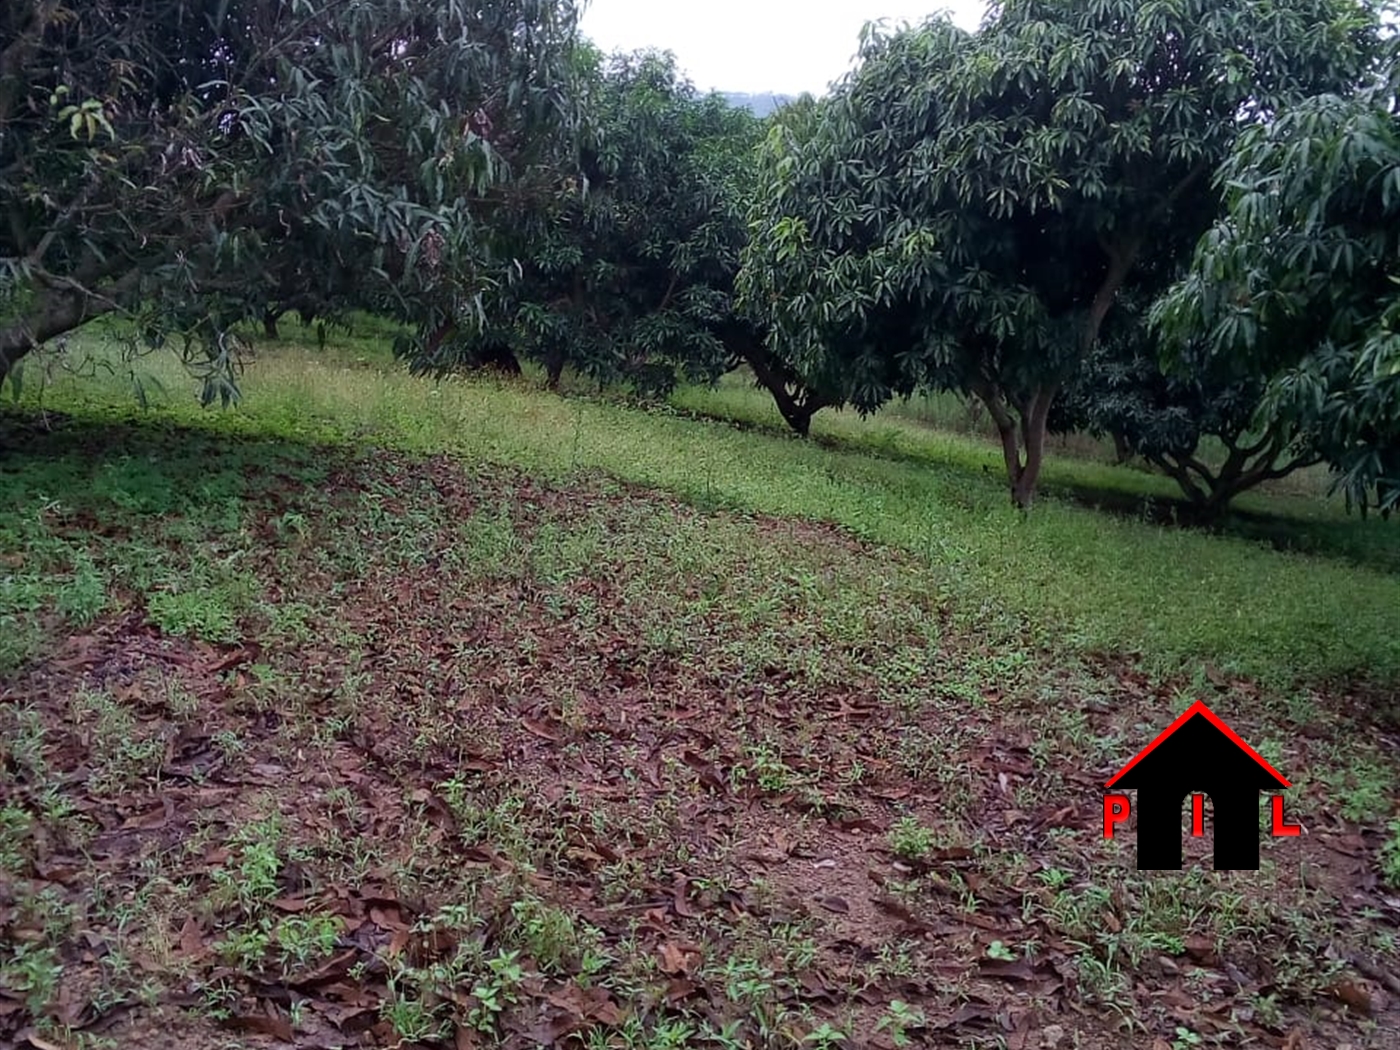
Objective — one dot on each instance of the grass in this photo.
(1177, 599)
(347, 746)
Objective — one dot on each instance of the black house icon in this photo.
(1198, 753)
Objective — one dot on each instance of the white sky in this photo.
(783, 46)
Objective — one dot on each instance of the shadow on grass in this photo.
(142, 468)
(198, 464)
(1366, 543)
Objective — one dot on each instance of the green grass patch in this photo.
(456, 750)
(1176, 598)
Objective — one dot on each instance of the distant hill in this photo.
(758, 105)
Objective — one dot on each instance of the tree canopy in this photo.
(969, 205)
(188, 161)
(1298, 283)
(623, 269)
(1170, 221)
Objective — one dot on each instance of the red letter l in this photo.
(1282, 830)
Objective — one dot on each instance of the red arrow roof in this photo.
(1199, 708)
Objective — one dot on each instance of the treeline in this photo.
(1169, 222)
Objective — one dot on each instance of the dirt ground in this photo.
(468, 759)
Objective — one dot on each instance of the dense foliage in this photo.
(624, 270)
(1298, 283)
(192, 162)
(1195, 419)
(969, 206)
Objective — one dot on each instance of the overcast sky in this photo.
(783, 46)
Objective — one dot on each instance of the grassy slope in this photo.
(341, 746)
(1097, 582)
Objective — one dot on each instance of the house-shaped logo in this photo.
(1197, 755)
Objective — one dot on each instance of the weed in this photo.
(764, 768)
(547, 934)
(910, 839)
(16, 826)
(411, 1018)
(250, 876)
(209, 614)
(899, 1021)
(1365, 790)
(82, 598)
(122, 751)
(303, 939)
(22, 739)
(496, 991)
(825, 1037)
(246, 949)
(31, 971)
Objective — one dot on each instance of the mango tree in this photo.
(1299, 283)
(970, 205)
(184, 162)
(1195, 419)
(624, 271)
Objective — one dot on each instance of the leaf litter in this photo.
(501, 762)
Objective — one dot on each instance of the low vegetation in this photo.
(314, 734)
(600, 622)
(1115, 584)
(324, 744)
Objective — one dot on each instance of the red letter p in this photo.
(1115, 810)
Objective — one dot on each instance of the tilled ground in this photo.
(375, 751)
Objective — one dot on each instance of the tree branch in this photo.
(62, 307)
(1178, 473)
(670, 291)
(1121, 258)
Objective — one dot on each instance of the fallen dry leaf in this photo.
(673, 959)
(263, 1024)
(191, 939)
(32, 1038)
(1011, 970)
(541, 730)
(1359, 995)
(1202, 950)
(680, 899)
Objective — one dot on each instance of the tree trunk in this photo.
(554, 369)
(1122, 451)
(1022, 437)
(500, 357)
(270, 317)
(796, 404)
(1034, 427)
(1210, 491)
